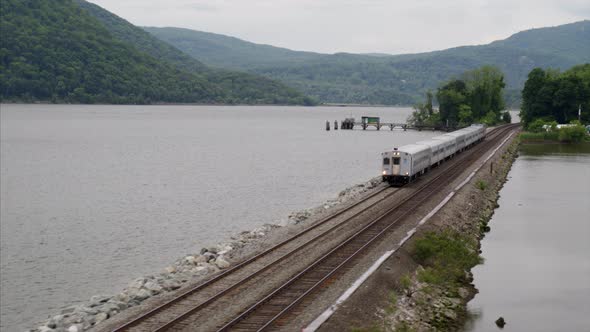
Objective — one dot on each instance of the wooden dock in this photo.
(375, 122)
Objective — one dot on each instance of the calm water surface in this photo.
(94, 196)
(537, 257)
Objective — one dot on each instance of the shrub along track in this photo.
(340, 244)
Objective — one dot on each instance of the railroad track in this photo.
(159, 318)
(175, 314)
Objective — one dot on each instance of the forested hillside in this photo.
(399, 79)
(239, 87)
(56, 51)
(142, 40)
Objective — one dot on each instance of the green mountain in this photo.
(240, 87)
(141, 40)
(57, 51)
(569, 41)
(394, 79)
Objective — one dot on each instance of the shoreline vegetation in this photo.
(46, 102)
(49, 102)
(540, 131)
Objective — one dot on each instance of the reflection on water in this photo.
(529, 150)
(537, 263)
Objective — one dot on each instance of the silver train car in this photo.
(404, 164)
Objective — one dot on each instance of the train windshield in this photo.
(396, 161)
(385, 161)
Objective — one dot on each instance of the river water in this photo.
(94, 196)
(537, 256)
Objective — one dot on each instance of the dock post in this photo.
(327, 125)
(335, 124)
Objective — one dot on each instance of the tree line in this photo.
(475, 97)
(550, 96)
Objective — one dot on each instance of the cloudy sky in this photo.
(330, 26)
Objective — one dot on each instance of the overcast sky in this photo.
(330, 26)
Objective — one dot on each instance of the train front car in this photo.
(402, 165)
(395, 166)
(389, 169)
(406, 163)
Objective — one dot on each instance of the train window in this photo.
(396, 161)
(385, 161)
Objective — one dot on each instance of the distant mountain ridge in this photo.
(388, 79)
(228, 52)
(568, 41)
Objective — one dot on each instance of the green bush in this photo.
(392, 303)
(403, 327)
(405, 281)
(490, 118)
(557, 135)
(432, 276)
(481, 185)
(446, 256)
(572, 134)
(536, 126)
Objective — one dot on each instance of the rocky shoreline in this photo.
(420, 305)
(193, 267)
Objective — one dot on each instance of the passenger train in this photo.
(404, 164)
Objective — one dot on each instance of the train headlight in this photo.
(384, 172)
(407, 173)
